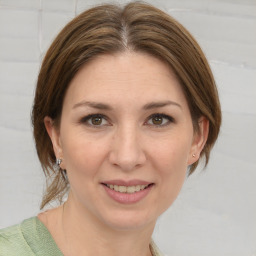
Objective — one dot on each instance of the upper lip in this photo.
(126, 183)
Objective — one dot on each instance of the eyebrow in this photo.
(160, 104)
(91, 104)
(102, 106)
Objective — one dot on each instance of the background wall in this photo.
(215, 212)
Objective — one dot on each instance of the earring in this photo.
(194, 155)
(58, 161)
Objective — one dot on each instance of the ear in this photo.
(54, 134)
(199, 140)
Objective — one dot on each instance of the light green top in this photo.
(31, 238)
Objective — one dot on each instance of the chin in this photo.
(130, 220)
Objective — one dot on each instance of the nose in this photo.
(126, 150)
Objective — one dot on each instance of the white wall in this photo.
(215, 212)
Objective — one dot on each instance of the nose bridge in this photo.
(126, 151)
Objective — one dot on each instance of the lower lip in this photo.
(127, 198)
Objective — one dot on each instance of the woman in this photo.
(125, 104)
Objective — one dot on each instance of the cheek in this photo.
(83, 159)
(82, 155)
(172, 168)
(171, 163)
(171, 154)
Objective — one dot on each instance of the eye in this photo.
(95, 120)
(159, 120)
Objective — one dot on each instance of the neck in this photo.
(84, 234)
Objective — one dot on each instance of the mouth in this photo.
(128, 189)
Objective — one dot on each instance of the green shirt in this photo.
(31, 238)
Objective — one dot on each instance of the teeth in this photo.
(131, 189)
(127, 189)
(122, 189)
(137, 188)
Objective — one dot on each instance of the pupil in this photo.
(96, 120)
(157, 120)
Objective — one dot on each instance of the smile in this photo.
(127, 189)
(127, 192)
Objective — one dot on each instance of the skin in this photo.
(127, 144)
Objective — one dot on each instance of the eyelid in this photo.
(169, 118)
(85, 119)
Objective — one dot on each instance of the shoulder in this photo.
(12, 241)
(154, 249)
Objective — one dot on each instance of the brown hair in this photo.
(137, 27)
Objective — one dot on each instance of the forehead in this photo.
(128, 76)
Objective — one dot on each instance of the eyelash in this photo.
(85, 119)
(170, 119)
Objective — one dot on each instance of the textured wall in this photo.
(215, 212)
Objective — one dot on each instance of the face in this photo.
(126, 139)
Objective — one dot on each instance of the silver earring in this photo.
(194, 155)
(58, 161)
